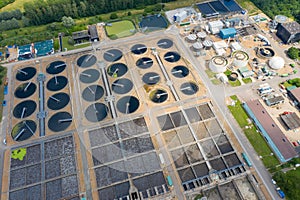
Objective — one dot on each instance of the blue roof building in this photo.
(227, 33)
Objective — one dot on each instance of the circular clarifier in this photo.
(92, 93)
(23, 130)
(151, 78)
(57, 83)
(56, 67)
(165, 43)
(189, 88)
(87, 60)
(25, 90)
(172, 56)
(128, 104)
(24, 109)
(60, 121)
(139, 49)
(96, 112)
(58, 101)
(117, 70)
(122, 86)
(113, 55)
(159, 96)
(25, 74)
(89, 76)
(180, 71)
(144, 63)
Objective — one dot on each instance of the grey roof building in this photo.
(289, 32)
(93, 33)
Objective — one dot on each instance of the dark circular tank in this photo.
(144, 62)
(180, 71)
(117, 70)
(89, 76)
(23, 130)
(24, 109)
(57, 83)
(158, 96)
(151, 78)
(172, 56)
(60, 121)
(92, 93)
(25, 74)
(56, 67)
(58, 101)
(165, 43)
(113, 55)
(87, 60)
(189, 88)
(265, 52)
(233, 76)
(25, 90)
(128, 104)
(122, 86)
(96, 112)
(139, 49)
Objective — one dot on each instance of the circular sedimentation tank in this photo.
(218, 64)
(128, 104)
(117, 70)
(112, 55)
(180, 71)
(189, 88)
(240, 58)
(96, 112)
(57, 83)
(172, 56)
(56, 67)
(23, 130)
(25, 90)
(144, 63)
(25, 74)
(89, 76)
(233, 76)
(58, 101)
(165, 43)
(60, 121)
(122, 86)
(151, 78)
(265, 52)
(158, 96)
(87, 60)
(139, 49)
(92, 93)
(24, 109)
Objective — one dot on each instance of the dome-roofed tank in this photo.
(276, 62)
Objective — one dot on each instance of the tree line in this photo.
(5, 2)
(290, 8)
(44, 12)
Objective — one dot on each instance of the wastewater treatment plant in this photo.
(119, 122)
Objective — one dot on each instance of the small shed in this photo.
(291, 120)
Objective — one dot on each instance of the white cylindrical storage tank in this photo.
(197, 46)
(240, 58)
(276, 62)
(201, 35)
(207, 44)
(192, 37)
(218, 64)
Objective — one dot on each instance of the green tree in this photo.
(293, 53)
(113, 16)
(68, 22)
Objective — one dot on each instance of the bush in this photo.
(293, 53)
(113, 16)
(70, 41)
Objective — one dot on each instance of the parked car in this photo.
(4, 103)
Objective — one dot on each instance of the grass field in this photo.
(18, 4)
(254, 137)
(247, 80)
(120, 29)
(1, 91)
(234, 83)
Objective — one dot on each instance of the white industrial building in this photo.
(218, 64)
(215, 26)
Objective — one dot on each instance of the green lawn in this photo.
(18, 4)
(120, 29)
(247, 80)
(255, 138)
(209, 73)
(216, 81)
(234, 83)
(3, 74)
